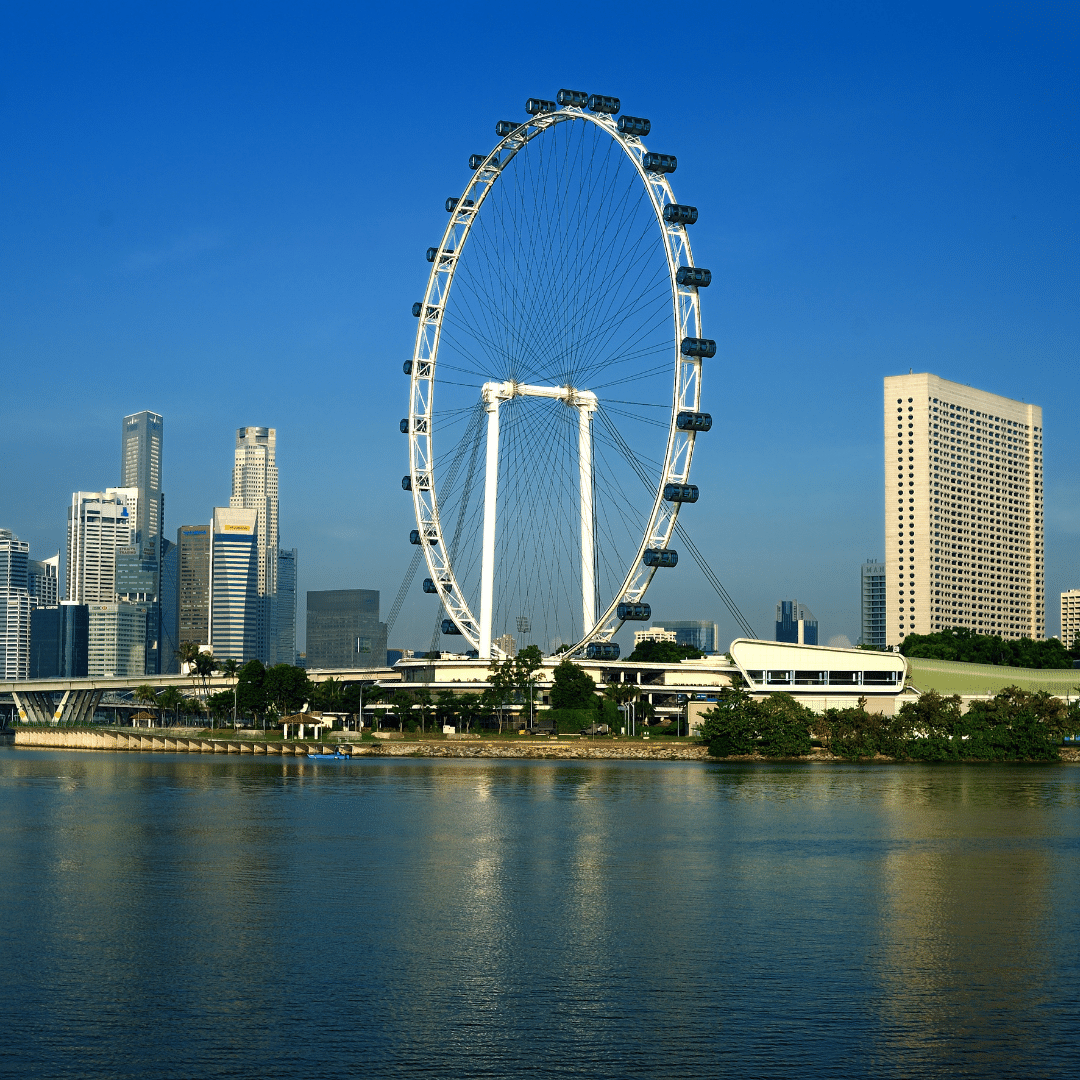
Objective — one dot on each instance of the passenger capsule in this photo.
(602, 650)
(659, 163)
(422, 483)
(476, 160)
(693, 421)
(634, 612)
(698, 346)
(414, 538)
(598, 103)
(406, 483)
(634, 125)
(504, 127)
(432, 254)
(577, 98)
(403, 427)
(534, 106)
(681, 493)
(697, 276)
(656, 557)
(676, 214)
(452, 204)
(450, 627)
(429, 586)
(407, 367)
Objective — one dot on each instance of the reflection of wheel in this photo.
(559, 341)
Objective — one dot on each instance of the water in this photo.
(178, 916)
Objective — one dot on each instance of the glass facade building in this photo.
(235, 603)
(60, 642)
(343, 629)
(795, 623)
(695, 633)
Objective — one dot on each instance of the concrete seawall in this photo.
(89, 739)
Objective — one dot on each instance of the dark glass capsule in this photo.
(577, 98)
(407, 367)
(697, 276)
(429, 586)
(681, 493)
(660, 163)
(602, 650)
(473, 654)
(476, 160)
(599, 103)
(660, 557)
(698, 346)
(403, 427)
(414, 538)
(450, 627)
(452, 203)
(634, 125)
(418, 308)
(634, 612)
(535, 106)
(693, 421)
(431, 254)
(676, 214)
(406, 483)
(504, 127)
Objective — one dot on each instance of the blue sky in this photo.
(219, 212)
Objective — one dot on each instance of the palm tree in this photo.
(145, 695)
(171, 698)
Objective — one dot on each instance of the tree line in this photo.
(963, 644)
(1015, 725)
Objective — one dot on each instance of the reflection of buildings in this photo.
(343, 629)
(795, 623)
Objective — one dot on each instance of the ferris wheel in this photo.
(555, 383)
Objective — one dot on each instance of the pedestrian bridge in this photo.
(35, 699)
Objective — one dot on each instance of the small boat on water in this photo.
(337, 755)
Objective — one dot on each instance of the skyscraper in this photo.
(140, 468)
(285, 608)
(42, 578)
(14, 607)
(795, 623)
(168, 599)
(98, 523)
(234, 585)
(193, 583)
(873, 604)
(60, 641)
(1070, 617)
(343, 629)
(117, 639)
(964, 544)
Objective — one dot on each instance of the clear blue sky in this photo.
(219, 212)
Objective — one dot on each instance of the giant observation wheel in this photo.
(555, 383)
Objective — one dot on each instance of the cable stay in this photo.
(706, 569)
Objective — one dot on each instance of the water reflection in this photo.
(179, 916)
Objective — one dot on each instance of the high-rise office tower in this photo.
(140, 468)
(117, 639)
(98, 523)
(285, 608)
(873, 604)
(169, 597)
(14, 607)
(193, 583)
(964, 511)
(60, 641)
(343, 629)
(234, 585)
(795, 623)
(1070, 617)
(42, 581)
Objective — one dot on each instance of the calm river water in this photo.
(178, 916)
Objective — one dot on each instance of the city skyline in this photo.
(864, 211)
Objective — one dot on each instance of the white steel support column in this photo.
(491, 488)
(586, 404)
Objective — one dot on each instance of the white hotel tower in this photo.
(963, 511)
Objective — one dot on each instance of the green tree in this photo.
(329, 695)
(963, 644)
(287, 688)
(663, 652)
(145, 695)
(572, 687)
(229, 668)
(775, 727)
(251, 689)
(170, 698)
(402, 702)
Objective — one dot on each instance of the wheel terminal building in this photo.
(820, 677)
